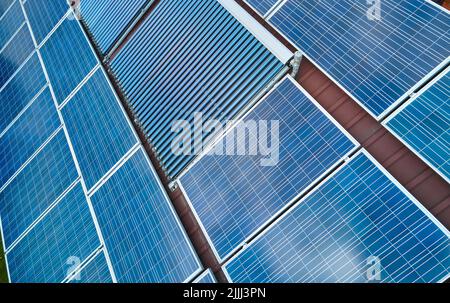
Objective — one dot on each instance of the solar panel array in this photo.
(355, 223)
(66, 231)
(423, 123)
(379, 59)
(95, 119)
(80, 201)
(199, 59)
(142, 233)
(65, 141)
(235, 195)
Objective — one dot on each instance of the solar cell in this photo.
(27, 134)
(262, 6)
(235, 195)
(20, 90)
(44, 15)
(36, 187)
(177, 47)
(98, 128)
(357, 221)
(67, 50)
(62, 239)
(96, 271)
(207, 277)
(145, 241)
(14, 54)
(10, 23)
(423, 123)
(377, 58)
(107, 20)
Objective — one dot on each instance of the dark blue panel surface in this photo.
(377, 61)
(15, 53)
(10, 23)
(27, 134)
(64, 237)
(234, 195)
(145, 241)
(98, 128)
(424, 124)
(20, 90)
(199, 59)
(96, 271)
(4, 6)
(108, 19)
(67, 50)
(356, 220)
(262, 6)
(36, 187)
(44, 15)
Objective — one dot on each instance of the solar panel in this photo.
(20, 90)
(200, 59)
(262, 6)
(355, 223)
(377, 60)
(96, 271)
(107, 20)
(98, 128)
(36, 187)
(207, 277)
(423, 123)
(10, 23)
(67, 49)
(51, 250)
(145, 241)
(14, 54)
(235, 195)
(27, 134)
(44, 15)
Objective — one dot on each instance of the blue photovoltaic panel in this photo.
(67, 50)
(262, 6)
(10, 23)
(96, 271)
(207, 277)
(4, 6)
(235, 195)
(98, 128)
(49, 251)
(20, 90)
(15, 53)
(27, 134)
(199, 59)
(357, 215)
(36, 187)
(377, 61)
(107, 20)
(145, 241)
(44, 15)
(424, 124)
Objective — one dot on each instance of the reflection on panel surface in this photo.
(378, 58)
(234, 195)
(356, 224)
(65, 237)
(145, 241)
